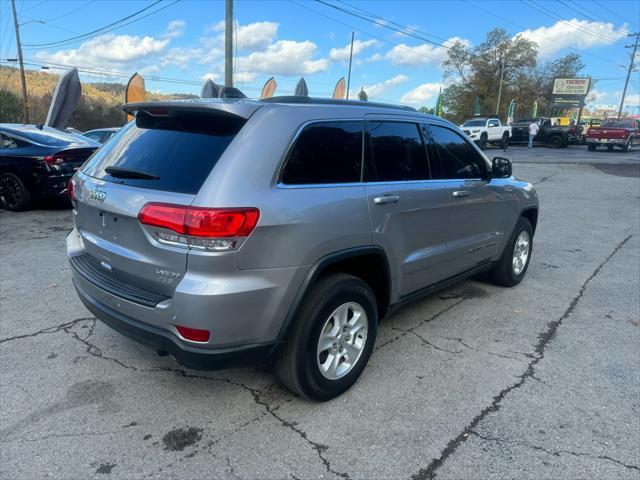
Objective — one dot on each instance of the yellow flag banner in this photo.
(135, 92)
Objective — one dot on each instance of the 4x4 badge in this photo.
(98, 194)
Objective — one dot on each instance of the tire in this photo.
(504, 272)
(299, 364)
(627, 146)
(483, 141)
(610, 148)
(556, 142)
(591, 147)
(14, 196)
(504, 143)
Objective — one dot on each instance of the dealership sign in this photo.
(571, 86)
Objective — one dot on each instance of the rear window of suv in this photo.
(179, 151)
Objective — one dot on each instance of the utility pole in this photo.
(25, 99)
(228, 43)
(350, 59)
(633, 57)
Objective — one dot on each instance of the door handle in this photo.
(385, 199)
(460, 193)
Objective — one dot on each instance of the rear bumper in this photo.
(607, 141)
(163, 341)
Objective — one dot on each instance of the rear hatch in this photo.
(163, 156)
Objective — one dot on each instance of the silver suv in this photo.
(228, 231)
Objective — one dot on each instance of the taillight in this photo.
(70, 187)
(193, 334)
(208, 228)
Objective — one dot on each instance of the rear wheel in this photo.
(556, 141)
(591, 147)
(14, 196)
(504, 143)
(627, 146)
(512, 266)
(331, 340)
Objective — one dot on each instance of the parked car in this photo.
(548, 134)
(623, 133)
(101, 135)
(38, 162)
(229, 232)
(487, 130)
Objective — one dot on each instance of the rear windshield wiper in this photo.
(120, 172)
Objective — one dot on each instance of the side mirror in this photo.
(501, 167)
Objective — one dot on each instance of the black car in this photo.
(37, 162)
(554, 136)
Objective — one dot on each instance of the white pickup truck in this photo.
(487, 130)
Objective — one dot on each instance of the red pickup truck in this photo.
(614, 132)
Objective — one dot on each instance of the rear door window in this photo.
(326, 152)
(397, 152)
(458, 158)
(179, 151)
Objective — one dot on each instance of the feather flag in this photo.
(511, 112)
(341, 88)
(534, 110)
(438, 109)
(135, 91)
(269, 88)
(64, 101)
(301, 89)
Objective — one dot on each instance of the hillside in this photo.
(100, 105)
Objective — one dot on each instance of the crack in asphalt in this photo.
(55, 329)
(426, 342)
(555, 453)
(422, 322)
(430, 472)
(464, 344)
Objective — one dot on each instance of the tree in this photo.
(10, 107)
(427, 110)
(475, 72)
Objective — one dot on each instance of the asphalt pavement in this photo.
(541, 381)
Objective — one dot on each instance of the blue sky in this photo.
(287, 39)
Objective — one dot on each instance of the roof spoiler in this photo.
(213, 106)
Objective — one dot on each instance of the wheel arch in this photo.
(367, 262)
(531, 214)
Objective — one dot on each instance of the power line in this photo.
(70, 12)
(383, 40)
(613, 12)
(384, 24)
(93, 31)
(488, 12)
(589, 15)
(546, 12)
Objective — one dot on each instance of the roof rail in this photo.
(333, 101)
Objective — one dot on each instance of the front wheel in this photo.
(512, 265)
(627, 146)
(332, 339)
(483, 141)
(591, 147)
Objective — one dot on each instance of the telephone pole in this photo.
(633, 57)
(25, 99)
(350, 60)
(228, 43)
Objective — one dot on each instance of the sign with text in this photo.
(571, 86)
(568, 101)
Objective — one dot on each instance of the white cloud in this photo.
(175, 29)
(285, 57)
(108, 52)
(573, 34)
(210, 76)
(253, 36)
(421, 94)
(596, 96)
(342, 54)
(376, 57)
(631, 100)
(421, 54)
(378, 89)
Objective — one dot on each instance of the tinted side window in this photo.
(327, 152)
(493, 123)
(397, 152)
(458, 157)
